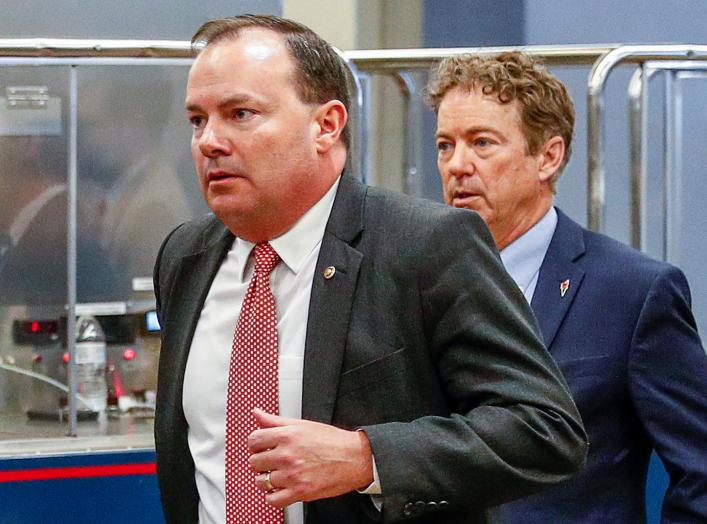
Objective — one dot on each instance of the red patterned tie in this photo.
(252, 382)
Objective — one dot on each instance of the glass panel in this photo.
(136, 183)
(136, 180)
(33, 198)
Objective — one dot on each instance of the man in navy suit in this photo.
(618, 323)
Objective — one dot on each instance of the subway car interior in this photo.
(95, 171)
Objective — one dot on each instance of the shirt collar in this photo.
(295, 245)
(523, 257)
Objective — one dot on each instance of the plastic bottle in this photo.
(91, 363)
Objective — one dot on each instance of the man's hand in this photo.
(307, 460)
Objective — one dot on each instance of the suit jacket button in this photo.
(408, 509)
(420, 506)
(432, 506)
(443, 504)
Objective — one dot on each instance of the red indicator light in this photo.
(129, 354)
(65, 358)
(40, 327)
(37, 358)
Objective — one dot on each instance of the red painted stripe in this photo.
(114, 470)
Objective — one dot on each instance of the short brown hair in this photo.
(546, 109)
(320, 73)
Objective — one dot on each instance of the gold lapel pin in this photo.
(564, 286)
(329, 272)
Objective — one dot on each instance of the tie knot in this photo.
(266, 258)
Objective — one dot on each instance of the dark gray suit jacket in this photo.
(421, 339)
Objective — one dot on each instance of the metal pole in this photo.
(357, 148)
(595, 148)
(71, 219)
(673, 167)
(412, 130)
(365, 93)
(638, 102)
(668, 131)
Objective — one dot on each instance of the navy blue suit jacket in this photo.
(626, 340)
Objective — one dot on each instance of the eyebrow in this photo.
(230, 101)
(470, 131)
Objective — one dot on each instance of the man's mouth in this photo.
(464, 198)
(216, 175)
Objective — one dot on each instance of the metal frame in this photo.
(366, 60)
(72, 224)
(413, 123)
(638, 54)
(672, 112)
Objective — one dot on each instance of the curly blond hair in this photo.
(546, 109)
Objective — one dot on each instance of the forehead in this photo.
(470, 108)
(254, 54)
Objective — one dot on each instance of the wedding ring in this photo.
(267, 484)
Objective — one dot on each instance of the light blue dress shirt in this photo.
(523, 257)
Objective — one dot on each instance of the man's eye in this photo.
(196, 121)
(443, 146)
(242, 114)
(482, 142)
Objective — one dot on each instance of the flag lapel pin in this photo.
(564, 286)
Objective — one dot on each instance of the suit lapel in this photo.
(194, 274)
(549, 304)
(331, 302)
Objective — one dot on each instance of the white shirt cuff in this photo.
(374, 488)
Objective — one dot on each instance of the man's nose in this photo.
(212, 142)
(460, 163)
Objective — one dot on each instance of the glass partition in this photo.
(135, 183)
(33, 249)
(136, 179)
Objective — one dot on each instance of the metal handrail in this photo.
(75, 48)
(595, 104)
(411, 59)
(365, 60)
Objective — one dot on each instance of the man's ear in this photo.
(550, 157)
(331, 119)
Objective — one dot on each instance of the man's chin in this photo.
(228, 207)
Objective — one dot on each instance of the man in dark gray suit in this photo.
(412, 382)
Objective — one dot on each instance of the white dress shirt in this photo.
(206, 375)
(523, 257)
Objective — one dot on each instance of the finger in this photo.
(281, 498)
(266, 482)
(264, 461)
(268, 420)
(264, 439)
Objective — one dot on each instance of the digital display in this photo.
(40, 327)
(37, 332)
(152, 324)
